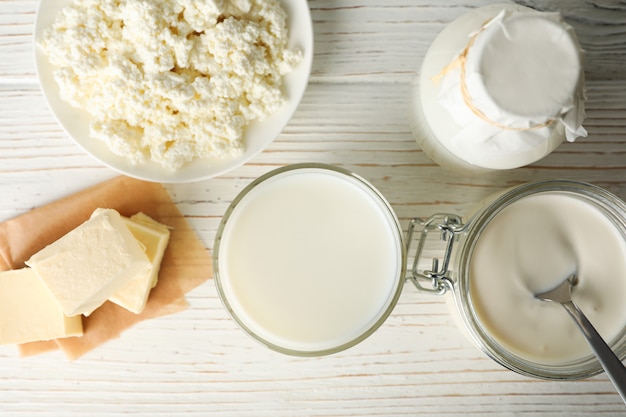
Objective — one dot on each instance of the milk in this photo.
(310, 260)
(531, 246)
(499, 88)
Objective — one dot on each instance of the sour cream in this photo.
(531, 246)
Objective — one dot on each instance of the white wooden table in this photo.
(354, 114)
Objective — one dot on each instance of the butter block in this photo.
(91, 263)
(154, 237)
(29, 312)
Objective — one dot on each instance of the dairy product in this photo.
(29, 312)
(171, 80)
(309, 260)
(91, 263)
(531, 246)
(499, 88)
(154, 238)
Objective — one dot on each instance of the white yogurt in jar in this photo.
(309, 260)
(531, 246)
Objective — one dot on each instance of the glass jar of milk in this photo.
(499, 88)
(310, 259)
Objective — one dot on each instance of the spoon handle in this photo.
(610, 362)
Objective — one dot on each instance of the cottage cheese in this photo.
(171, 80)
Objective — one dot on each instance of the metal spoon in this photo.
(609, 361)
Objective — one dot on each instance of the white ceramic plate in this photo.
(258, 134)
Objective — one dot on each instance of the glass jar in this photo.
(481, 102)
(452, 270)
(310, 259)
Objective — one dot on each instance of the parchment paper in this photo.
(186, 263)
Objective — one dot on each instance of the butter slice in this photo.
(29, 312)
(154, 236)
(91, 263)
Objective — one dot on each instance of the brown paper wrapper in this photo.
(186, 262)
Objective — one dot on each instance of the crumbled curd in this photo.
(171, 80)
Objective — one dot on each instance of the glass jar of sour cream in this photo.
(310, 259)
(522, 242)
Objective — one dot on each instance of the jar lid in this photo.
(523, 69)
(309, 259)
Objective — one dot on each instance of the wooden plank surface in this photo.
(354, 114)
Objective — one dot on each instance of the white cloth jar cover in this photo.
(516, 90)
